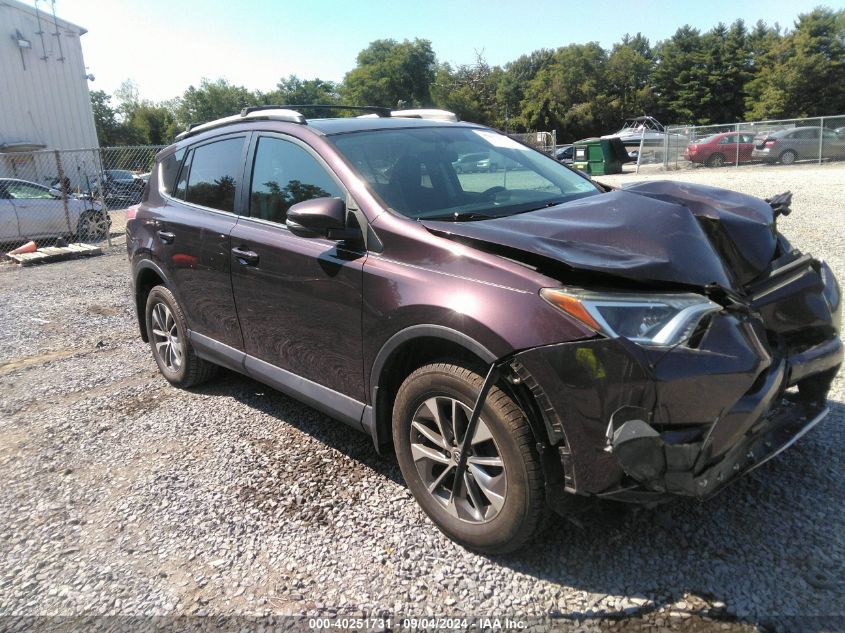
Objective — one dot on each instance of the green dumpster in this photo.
(600, 156)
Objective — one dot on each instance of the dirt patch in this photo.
(15, 364)
(96, 308)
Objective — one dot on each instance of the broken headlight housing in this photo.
(660, 319)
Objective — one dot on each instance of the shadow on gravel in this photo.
(332, 433)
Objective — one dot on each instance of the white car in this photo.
(29, 211)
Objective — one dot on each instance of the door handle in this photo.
(245, 257)
(166, 236)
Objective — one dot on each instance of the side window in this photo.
(213, 175)
(182, 184)
(728, 140)
(282, 175)
(25, 191)
(169, 169)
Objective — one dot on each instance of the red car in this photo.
(721, 149)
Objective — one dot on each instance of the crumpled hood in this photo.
(657, 231)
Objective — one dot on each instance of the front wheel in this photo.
(168, 334)
(494, 503)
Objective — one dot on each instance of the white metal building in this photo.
(44, 99)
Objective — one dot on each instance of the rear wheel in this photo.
(168, 334)
(716, 160)
(494, 503)
(788, 157)
(93, 226)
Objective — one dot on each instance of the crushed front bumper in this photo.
(636, 424)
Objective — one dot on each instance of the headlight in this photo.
(662, 320)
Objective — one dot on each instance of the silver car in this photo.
(29, 211)
(799, 143)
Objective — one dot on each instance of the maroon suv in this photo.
(516, 336)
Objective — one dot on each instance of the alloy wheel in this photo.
(93, 227)
(168, 345)
(472, 489)
(717, 160)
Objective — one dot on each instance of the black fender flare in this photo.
(137, 270)
(420, 331)
(369, 419)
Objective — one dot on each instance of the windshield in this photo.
(458, 173)
(119, 174)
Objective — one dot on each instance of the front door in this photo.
(8, 217)
(299, 299)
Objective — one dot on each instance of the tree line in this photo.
(727, 74)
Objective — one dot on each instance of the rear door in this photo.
(191, 236)
(299, 299)
(806, 142)
(727, 147)
(736, 146)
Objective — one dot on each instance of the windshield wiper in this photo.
(459, 216)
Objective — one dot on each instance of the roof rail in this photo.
(378, 110)
(272, 113)
(290, 114)
(426, 113)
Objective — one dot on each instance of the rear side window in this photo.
(169, 169)
(283, 174)
(213, 174)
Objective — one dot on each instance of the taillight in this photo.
(131, 212)
(770, 143)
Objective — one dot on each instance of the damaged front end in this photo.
(636, 422)
(728, 361)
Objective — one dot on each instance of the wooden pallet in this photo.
(55, 254)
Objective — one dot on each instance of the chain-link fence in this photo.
(61, 197)
(786, 142)
(543, 141)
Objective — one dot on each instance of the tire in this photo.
(501, 504)
(93, 226)
(172, 351)
(716, 160)
(494, 168)
(788, 157)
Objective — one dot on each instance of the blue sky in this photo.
(166, 45)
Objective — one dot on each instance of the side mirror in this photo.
(319, 217)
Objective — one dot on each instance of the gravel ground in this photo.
(121, 495)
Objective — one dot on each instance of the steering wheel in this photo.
(493, 192)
